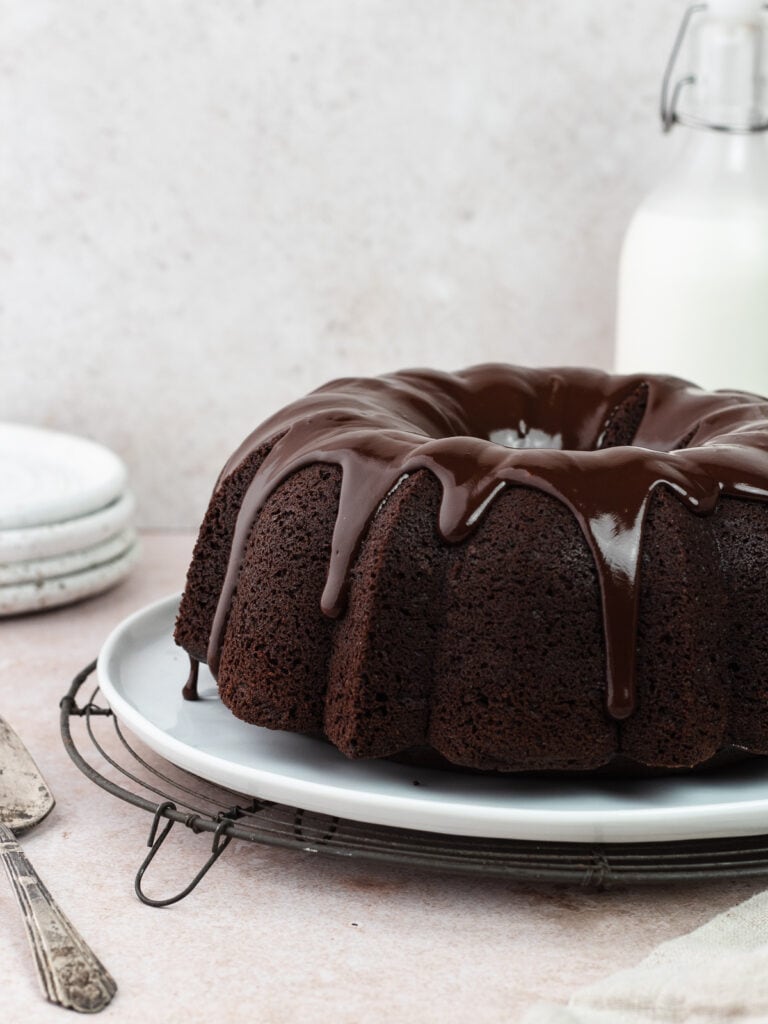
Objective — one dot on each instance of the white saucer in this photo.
(141, 673)
(40, 569)
(35, 542)
(49, 476)
(60, 590)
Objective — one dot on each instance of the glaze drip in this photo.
(190, 691)
(383, 429)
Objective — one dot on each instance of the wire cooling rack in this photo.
(121, 765)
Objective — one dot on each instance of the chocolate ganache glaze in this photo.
(494, 426)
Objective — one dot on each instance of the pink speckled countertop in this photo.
(280, 937)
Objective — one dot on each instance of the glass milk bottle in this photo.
(693, 277)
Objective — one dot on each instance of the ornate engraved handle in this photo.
(69, 971)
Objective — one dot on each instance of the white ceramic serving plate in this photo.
(141, 673)
(34, 542)
(61, 590)
(49, 476)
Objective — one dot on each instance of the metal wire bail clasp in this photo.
(671, 95)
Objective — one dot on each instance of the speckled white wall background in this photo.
(208, 207)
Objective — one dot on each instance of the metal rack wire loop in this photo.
(132, 773)
(221, 841)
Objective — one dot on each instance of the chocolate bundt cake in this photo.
(519, 569)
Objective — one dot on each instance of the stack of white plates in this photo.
(66, 519)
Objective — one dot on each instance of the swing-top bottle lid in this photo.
(736, 10)
(717, 72)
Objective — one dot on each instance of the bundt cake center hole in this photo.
(525, 436)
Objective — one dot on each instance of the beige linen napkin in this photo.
(715, 974)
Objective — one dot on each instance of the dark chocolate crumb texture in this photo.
(522, 569)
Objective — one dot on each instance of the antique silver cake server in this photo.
(69, 971)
